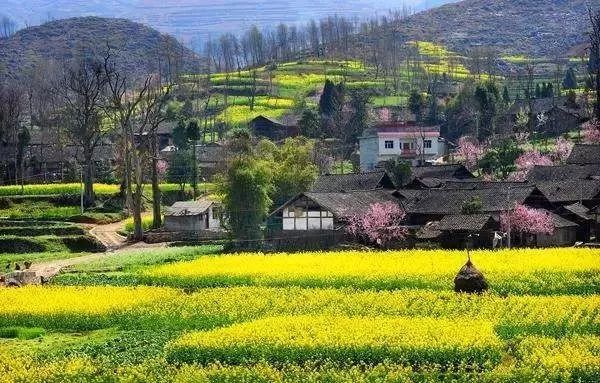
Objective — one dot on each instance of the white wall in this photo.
(316, 220)
(214, 222)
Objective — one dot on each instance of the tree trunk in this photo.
(156, 196)
(597, 106)
(88, 179)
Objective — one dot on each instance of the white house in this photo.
(389, 140)
(194, 216)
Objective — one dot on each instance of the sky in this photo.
(189, 19)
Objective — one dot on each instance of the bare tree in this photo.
(125, 97)
(594, 63)
(12, 109)
(151, 115)
(7, 27)
(82, 90)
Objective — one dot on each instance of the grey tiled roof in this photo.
(188, 208)
(585, 155)
(570, 190)
(463, 222)
(351, 182)
(451, 201)
(563, 172)
(345, 205)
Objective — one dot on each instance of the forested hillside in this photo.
(135, 45)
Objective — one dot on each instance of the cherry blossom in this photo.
(470, 151)
(562, 150)
(524, 219)
(380, 224)
(591, 132)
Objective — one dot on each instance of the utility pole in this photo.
(509, 219)
(81, 187)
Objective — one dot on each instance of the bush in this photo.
(21, 332)
(5, 203)
(83, 243)
(33, 231)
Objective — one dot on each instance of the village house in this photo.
(332, 199)
(389, 140)
(563, 172)
(327, 211)
(561, 117)
(50, 157)
(274, 130)
(585, 154)
(339, 183)
(211, 158)
(436, 176)
(193, 216)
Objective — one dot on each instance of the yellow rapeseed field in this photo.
(301, 339)
(520, 271)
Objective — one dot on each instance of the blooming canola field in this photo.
(313, 317)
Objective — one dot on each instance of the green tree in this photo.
(399, 171)
(180, 169)
(192, 134)
(538, 90)
(570, 81)
(486, 99)
(472, 206)
(505, 96)
(292, 166)
(246, 187)
(329, 99)
(416, 103)
(360, 101)
(501, 158)
(310, 124)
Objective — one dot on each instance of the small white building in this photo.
(193, 216)
(390, 140)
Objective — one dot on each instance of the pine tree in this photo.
(505, 95)
(570, 81)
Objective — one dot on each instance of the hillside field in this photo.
(311, 317)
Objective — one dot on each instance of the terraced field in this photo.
(316, 317)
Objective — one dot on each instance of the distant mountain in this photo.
(134, 46)
(532, 27)
(196, 20)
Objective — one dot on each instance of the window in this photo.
(389, 144)
(406, 146)
(427, 144)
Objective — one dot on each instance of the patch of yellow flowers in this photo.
(553, 271)
(301, 339)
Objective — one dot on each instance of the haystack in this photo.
(470, 280)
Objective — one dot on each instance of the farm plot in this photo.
(313, 318)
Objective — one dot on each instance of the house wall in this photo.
(373, 149)
(185, 223)
(369, 153)
(295, 218)
(564, 236)
(214, 217)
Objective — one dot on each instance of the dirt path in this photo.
(109, 236)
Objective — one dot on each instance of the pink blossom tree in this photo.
(384, 114)
(526, 161)
(527, 220)
(470, 151)
(379, 225)
(562, 150)
(591, 132)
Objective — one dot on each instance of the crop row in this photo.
(66, 188)
(85, 308)
(371, 340)
(531, 271)
(568, 360)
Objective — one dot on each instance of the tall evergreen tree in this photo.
(505, 95)
(570, 80)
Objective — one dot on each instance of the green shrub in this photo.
(33, 231)
(83, 243)
(21, 332)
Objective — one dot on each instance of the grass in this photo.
(23, 333)
(67, 188)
